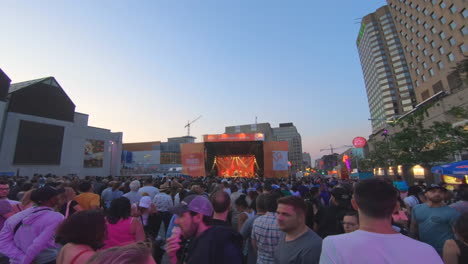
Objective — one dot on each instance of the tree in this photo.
(418, 145)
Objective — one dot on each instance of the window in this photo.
(440, 64)
(412, 29)
(442, 35)
(419, 9)
(443, 5)
(453, 25)
(452, 41)
(453, 9)
(419, 21)
(426, 25)
(443, 20)
(418, 34)
(424, 78)
(431, 72)
(426, 39)
(418, 59)
(413, 17)
(418, 46)
(451, 57)
(412, 41)
(434, 16)
(433, 44)
(434, 2)
(425, 52)
(412, 53)
(464, 30)
(424, 65)
(417, 83)
(417, 71)
(426, 12)
(465, 13)
(441, 50)
(412, 65)
(463, 48)
(433, 58)
(434, 30)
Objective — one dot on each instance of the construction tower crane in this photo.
(190, 123)
(332, 149)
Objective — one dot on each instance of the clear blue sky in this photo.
(146, 67)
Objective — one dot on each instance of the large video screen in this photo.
(38, 143)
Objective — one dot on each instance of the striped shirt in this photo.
(266, 233)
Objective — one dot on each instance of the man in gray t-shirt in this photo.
(297, 244)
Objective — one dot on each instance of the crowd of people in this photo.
(49, 219)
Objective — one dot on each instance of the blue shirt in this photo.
(435, 224)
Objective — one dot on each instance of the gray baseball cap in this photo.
(194, 203)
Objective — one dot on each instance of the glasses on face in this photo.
(348, 224)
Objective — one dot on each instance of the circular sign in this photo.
(359, 142)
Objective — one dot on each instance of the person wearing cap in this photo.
(432, 221)
(375, 241)
(329, 218)
(28, 236)
(209, 244)
(146, 211)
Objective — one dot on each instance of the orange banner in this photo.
(193, 159)
(234, 137)
(276, 159)
(235, 166)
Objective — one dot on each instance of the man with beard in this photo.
(432, 221)
(298, 244)
(208, 244)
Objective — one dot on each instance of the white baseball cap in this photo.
(145, 202)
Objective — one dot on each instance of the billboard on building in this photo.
(193, 159)
(93, 153)
(276, 159)
(234, 137)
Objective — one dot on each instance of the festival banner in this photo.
(193, 159)
(234, 137)
(276, 159)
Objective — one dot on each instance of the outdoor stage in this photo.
(235, 155)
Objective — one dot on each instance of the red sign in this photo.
(193, 160)
(359, 142)
(234, 137)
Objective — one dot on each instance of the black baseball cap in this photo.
(340, 193)
(435, 186)
(45, 193)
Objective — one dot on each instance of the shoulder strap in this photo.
(21, 222)
(79, 255)
(67, 211)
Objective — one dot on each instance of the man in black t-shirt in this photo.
(208, 244)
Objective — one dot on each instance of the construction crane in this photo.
(190, 123)
(332, 148)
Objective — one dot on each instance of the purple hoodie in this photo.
(34, 240)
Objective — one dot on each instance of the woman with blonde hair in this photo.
(68, 205)
(130, 254)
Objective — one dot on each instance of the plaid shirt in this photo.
(266, 233)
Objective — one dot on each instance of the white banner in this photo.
(280, 160)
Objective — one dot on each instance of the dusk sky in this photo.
(145, 68)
